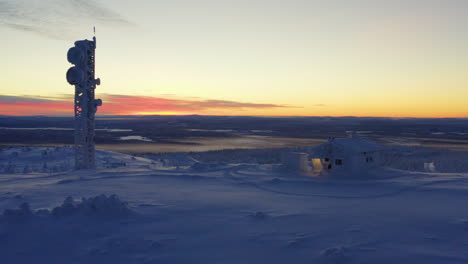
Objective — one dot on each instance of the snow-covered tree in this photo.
(26, 169)
(45, 168)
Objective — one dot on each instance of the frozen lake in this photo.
(207, 144)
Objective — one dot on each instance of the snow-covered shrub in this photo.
(22, 213)
(102, 205)
(338, 254)
(26, 149)
(99, 205)
(10, 168)
(256, 156)
(45, 168)
(27, 169)
(426, 159)
(199, 166)
(259, 215)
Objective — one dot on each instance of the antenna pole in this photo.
(94, 37)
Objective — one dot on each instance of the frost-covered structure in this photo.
(82, 55)
(297, 161)
(353, 155)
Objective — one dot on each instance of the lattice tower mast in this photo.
(82, 76)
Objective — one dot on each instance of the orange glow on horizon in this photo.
(160, 113)
(146, 105)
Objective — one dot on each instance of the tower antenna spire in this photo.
(94, 37)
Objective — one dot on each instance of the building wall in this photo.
(296, 161)
(351, 163)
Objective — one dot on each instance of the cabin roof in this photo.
(354, 145)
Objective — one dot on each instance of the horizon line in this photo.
(258, 116)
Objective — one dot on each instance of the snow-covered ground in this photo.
(185, 211)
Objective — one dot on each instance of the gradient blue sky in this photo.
(355, 57)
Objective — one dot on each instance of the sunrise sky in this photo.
(389, 58)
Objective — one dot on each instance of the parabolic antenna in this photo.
(74, 76)
(75, 55)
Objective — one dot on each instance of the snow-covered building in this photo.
(353, 155)
(296, 161)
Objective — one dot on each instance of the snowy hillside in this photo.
(176, 209)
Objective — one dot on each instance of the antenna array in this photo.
(82, 55)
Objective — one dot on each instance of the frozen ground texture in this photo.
(165, 212)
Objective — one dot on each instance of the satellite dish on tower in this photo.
(75, 55)
(74, 76)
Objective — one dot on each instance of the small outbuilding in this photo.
(353, 155)
(296, 161)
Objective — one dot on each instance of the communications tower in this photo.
(81, 75)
